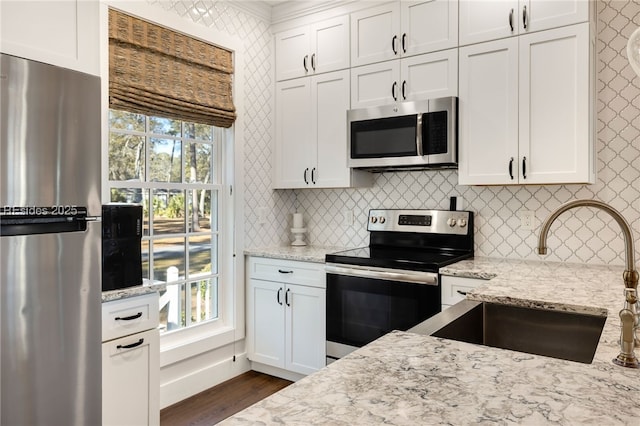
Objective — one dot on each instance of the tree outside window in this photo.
(172, 168)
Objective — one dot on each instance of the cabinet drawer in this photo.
(287, 271)
(130, 380)
(454, 289)
(128, 316)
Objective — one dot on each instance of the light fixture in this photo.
(633, 51)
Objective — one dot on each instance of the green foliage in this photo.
(175, 207)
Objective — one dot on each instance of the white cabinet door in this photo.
(292, 53)
(130, 380)
(488, 107)
(525, 114)
(305, 329)
(536, 15)
(318, 48)
(375, 84)
(330, 45)
(554, 140)
(431, 75)
(265, 320)
(375, 34)
(61, 33)
(330, 102)
(294, 145)
(428, 26)
(483, 20)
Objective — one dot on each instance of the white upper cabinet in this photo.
(431, 75)
(374, 34)
(313, 49)
(401, 29)
(484, 20)
(61, 33)
(488, 113)
(311, 133)
(554, 97)
(294, 144)
(428, 26)
(525, 109)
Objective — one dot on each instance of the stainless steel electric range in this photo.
(393, 284)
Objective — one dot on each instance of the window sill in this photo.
(187, 343)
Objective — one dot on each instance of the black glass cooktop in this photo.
(398, 258)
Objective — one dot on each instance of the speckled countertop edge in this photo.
(139, 290)
(314, 254)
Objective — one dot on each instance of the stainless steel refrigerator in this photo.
(50, 295)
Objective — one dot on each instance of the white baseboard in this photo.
(277, 372)
(201, 380)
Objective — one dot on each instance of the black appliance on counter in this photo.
(121, 250)
(393, 284)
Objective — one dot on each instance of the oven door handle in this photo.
(417, 277)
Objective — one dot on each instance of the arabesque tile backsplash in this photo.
(584, 235)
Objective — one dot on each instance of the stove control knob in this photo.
(451, 222)
(382, 219)
(374, 219)
(462, 223)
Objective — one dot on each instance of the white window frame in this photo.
(230, 325)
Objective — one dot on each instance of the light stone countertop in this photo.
(138, 290)
(410, 379)
(303, 253)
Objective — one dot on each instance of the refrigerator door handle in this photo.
(41, 220)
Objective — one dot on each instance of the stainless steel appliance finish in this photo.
(50, 295)
(394, 282)
(404, 136)
(557, 334)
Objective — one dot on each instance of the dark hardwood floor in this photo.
(219, 402)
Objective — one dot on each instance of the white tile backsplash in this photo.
(582, 235)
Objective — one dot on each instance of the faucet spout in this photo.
(630, 274)
(629, 314)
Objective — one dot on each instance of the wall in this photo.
(586, 236)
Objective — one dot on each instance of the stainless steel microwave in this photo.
(404, 136)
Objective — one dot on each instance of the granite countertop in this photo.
(302, 253)
(138, 290)
(406, 379)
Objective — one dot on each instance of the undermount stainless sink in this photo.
(556, 334)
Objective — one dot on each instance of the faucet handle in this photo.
(627, 356)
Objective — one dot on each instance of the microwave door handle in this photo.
(419, 144)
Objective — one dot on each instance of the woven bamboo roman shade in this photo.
(156, 71)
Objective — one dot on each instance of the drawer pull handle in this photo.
(282, 271)
(132, 345)
(463, 293)
(278, 296)
(286, 297)
(132, 317)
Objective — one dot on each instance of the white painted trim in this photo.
(231, 303)
(197, 381)
(277, 372)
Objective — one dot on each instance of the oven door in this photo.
(366, 303)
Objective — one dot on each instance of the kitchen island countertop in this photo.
(405, 378)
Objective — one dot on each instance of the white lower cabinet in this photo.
(131, 361)
(285, 319)
(455, 289)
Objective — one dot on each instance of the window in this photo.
(175, 170)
